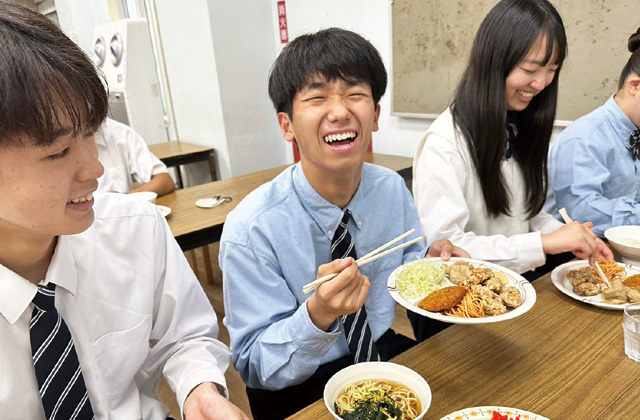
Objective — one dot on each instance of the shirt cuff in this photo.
(195, 379)
(529, 249)
(310, 339)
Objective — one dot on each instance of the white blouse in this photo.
(448, 195)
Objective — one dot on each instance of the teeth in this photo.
(342, 136)
(525, 94)
(81, 199)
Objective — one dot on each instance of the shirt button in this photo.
(359, 223)
(330, 233)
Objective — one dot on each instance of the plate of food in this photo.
(492, 413)
(580, 281)
(461, 290)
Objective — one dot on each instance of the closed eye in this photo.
(60, 155)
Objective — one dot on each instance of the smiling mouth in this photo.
(81, 199)
(525, 94)
(340, 138)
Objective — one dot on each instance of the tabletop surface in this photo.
(187, 219)
(173, 149)
(563, 359)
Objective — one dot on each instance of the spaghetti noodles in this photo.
(470, 307)
(611, 270)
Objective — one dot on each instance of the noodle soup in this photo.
(373, 398)
(382, 377)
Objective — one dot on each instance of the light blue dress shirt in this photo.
(592, 172)
(272, 245)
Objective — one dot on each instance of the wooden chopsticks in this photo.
(370, 257)
(567, 219)
(565, 215)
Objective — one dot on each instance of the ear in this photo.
(286, 126)
(633, 84)
(376, 118)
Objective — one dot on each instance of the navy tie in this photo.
(512, 133)
(634, 143)
(356, 326)
(62, 388)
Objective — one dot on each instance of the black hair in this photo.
(333, 53)
(633, 64)
(45, 79)
(479, 108)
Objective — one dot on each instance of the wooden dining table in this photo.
(194, 227)
(563, 359)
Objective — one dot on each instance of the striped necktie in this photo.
(62, 388)
(356, 326)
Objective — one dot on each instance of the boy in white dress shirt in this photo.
(96, 300)
(127, 159)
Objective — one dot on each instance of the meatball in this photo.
(633, 294)
(494, 284)
(483, 292)
(494, 306)
(479, 275)
(459, 271)
(586, 289)
(511, 297)
(581, 275)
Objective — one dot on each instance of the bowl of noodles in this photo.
(626, 241)
(380, 390)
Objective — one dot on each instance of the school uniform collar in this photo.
(16, 292)
(622, 125)
(327, 215)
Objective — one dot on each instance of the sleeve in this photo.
(184, 333)
(578, 183)
(439, 181)
(275, 344)
(142, 162)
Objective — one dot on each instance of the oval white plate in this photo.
(526, 290)
(485, 413)
(164, 210)
(560, 280)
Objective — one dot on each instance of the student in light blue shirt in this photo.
(594, 170)
(286, 344)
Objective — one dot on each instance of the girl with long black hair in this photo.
(480, 174)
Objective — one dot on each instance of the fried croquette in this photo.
(442, 299)
(632, 281)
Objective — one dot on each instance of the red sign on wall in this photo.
(282, 22)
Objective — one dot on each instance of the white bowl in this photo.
(625, 240)
(377, 370)
(149, 196)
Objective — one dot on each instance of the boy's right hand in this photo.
(342, 295)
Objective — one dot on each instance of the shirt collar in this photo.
(326, 215)
(16, 292)
(622, 125)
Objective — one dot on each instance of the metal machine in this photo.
(123, 51)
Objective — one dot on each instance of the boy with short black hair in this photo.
(314, 219)
(96, 299)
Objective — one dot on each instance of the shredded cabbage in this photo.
(419, 279)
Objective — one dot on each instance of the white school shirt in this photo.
(448, 195)
(125, 156)
(135, 311)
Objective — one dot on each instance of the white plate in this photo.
(485, 413)
(560, 280)
(166, 211)
(527, 292)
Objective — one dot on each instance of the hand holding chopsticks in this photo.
(370, 257)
